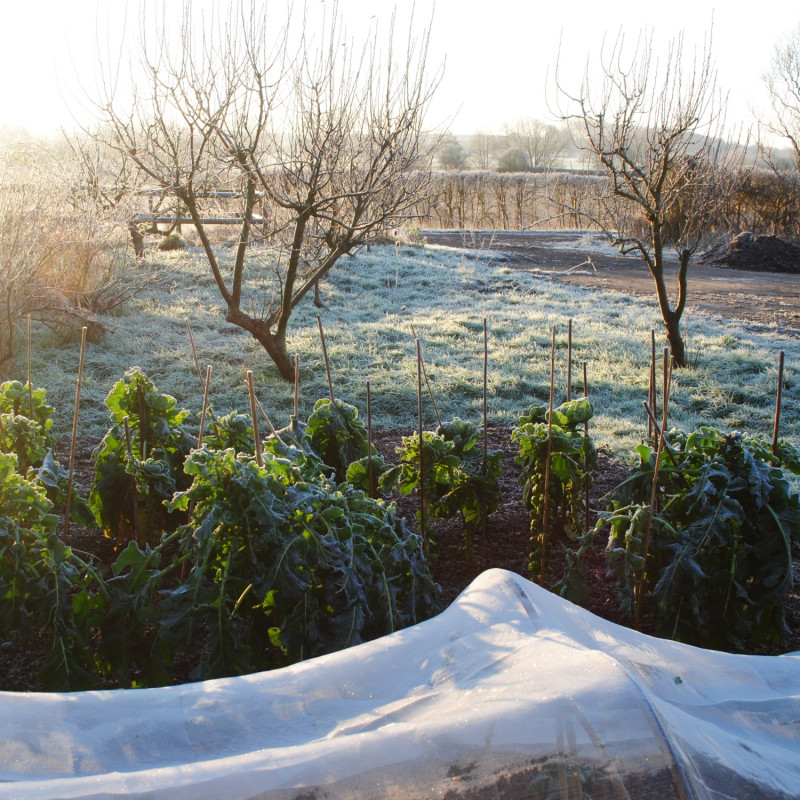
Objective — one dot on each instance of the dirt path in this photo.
(763, 299)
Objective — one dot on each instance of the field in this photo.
(375, 299)
(375, 302)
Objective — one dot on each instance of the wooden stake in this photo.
(296, 385)
(485, 396)
(484, 533)
(205, 406)
(142, 426)
(427, 382)
(266, 418)
(586, 454)
(569, 359)
(74, 432)
(421, 459)
(778, 404)
(370, 473)
(652, 393)
(128, 443)
(194, 352)
(325, 356)
(254, 417)
(545, 515)
(30, 378)
(134, 489)
(653, 493)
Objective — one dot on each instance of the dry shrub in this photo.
(62, 259)
(173, 241)
(484, 200)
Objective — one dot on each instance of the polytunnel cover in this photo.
(511, 692)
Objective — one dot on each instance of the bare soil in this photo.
(757, 296)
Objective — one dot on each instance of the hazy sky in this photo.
(499, 54)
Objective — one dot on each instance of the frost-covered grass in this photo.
(374, 298)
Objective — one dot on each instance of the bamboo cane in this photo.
(72, 443)
(586, 450)
(30, 372)
(778, 404)
(653, 493)
(134, 489)
(205, 406)
(325, 356)
(194, 351)
(485, 520)
(370, 472)
(296, 385)
(427, 383)
(569, 359)
(421, 440)
(545, 515)
(254, 417)
(652, 393)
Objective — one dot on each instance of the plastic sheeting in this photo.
(511, 692)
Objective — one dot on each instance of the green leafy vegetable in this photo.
(719, 562)
(455, 478)
(572, 457)
(135, 473)
(286, 567)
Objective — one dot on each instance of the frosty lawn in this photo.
(374, 298)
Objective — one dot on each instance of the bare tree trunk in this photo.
(273, 343)
(677, 347)
(657, 131)
(669, 314)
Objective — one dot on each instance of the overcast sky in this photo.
(498, 54)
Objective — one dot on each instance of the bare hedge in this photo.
(765, 202)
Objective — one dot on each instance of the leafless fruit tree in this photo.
(783, 84)
(322, 146)
(655, 129)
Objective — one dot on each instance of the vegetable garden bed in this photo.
(508, 529)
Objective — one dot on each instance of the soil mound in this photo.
(758, 253)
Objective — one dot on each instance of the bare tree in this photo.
(541, 143)
(323, 149)
(783, 84)
(655, 128)
(481, 147)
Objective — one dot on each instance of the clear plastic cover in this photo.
(511, 692)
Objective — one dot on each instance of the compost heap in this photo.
(759, 253)
(511, 692)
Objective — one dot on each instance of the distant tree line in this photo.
(525, 145)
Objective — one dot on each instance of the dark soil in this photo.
(751, 252)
